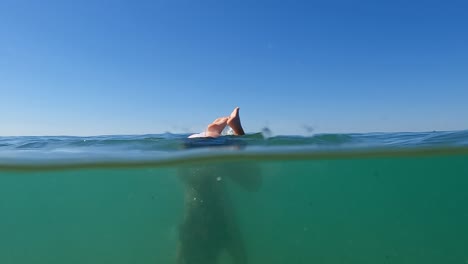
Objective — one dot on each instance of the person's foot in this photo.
(234, 122)
(214, 129)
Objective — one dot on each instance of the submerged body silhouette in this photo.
(209, 225)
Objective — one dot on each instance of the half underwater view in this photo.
(164, 198)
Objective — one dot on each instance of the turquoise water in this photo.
(343, 198)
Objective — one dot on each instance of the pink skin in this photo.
(216, 127)
(235, 123)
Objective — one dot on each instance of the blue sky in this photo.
(136, 67)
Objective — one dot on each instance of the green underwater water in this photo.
(364, 209)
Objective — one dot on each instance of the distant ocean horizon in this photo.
(154, 146)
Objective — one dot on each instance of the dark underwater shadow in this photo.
(209, 225)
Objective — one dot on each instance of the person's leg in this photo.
(234, 122)
(216, 127)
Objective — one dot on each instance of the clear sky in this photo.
(93, 67)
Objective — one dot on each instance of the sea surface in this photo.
(325, 198)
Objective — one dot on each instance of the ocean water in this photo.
(331, 198)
